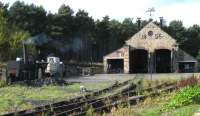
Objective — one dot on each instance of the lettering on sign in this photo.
(144, 36)
(158, 36)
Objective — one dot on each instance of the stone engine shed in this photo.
(151, 50)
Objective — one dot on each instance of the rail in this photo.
(78, 107)
(78, 100)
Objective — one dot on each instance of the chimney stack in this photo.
(161, 22)
(139, 23)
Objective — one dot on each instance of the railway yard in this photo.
(103, 93)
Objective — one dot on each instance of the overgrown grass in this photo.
(14, 97)
(183, 102)
(186, 96)
(153, 107)
(17, 97)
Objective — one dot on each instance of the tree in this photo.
(28, 17)
(115, 39)
(198, 56)
(65, 10)
(4, 8)
(102, 36)
(84, 23)
(191, 45)
(177, 31)
(84, 26)
(16, 39)
(128, 28)
(10, 39)
(60, 25)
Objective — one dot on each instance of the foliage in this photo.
(185, 96)
(152, 106)
(187, 82)
(4, 35)
(198, 55)
(178, 31)
(77, 35)
(10, 39)
(188, 110)
(28, 17)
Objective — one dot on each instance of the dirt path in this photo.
(123, 77)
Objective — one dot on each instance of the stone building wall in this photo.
(122, 53)
(151, 38)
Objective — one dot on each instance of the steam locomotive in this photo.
(29, 69)
(20, 71)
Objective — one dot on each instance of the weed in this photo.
(90, 112)
(187, 82)
(185, 96)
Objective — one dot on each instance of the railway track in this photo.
(79, 106)
(69, 106)
(100, 105)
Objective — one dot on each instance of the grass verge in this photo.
(17, 97)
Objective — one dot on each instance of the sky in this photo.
(187, 11)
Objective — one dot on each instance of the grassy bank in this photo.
(183, 102)
(17, 97)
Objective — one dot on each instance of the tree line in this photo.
(77, 36)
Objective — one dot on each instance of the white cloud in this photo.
(185, 10)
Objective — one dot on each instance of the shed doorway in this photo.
(139, 61)
(163, 61)
(115, 65)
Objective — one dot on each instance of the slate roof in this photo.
(182, 56)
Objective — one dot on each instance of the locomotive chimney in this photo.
(24, 53)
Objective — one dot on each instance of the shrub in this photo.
(187, 82)
(186, 96)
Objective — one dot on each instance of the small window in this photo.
(187, 66)
(150, 33)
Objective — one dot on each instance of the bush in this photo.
(187, 82)
(186, 96)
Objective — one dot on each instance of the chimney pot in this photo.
(139, 23)
(161, 22)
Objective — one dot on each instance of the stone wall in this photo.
(150, 38)
(122, 53)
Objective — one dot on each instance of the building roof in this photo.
(152, 37)
(182, 56)
(117, 54)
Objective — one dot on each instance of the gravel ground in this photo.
(123, 77)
